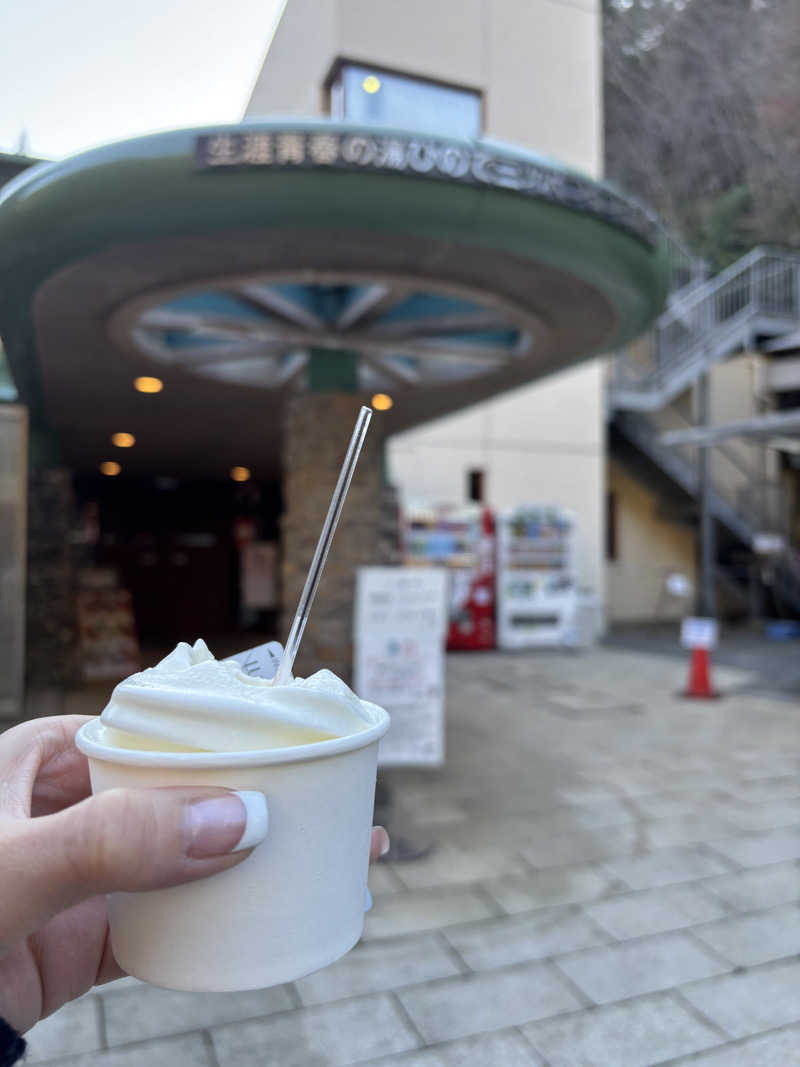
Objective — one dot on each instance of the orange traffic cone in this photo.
(699, 687)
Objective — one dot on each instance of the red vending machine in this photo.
(462, 539)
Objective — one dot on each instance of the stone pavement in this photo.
(615, 884)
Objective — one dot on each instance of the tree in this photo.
(702, 117)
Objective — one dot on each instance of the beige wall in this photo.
(648, 548)
(541, 444)
(537, 63)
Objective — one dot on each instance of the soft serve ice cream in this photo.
(192, 702)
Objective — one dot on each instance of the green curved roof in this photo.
(82, 240)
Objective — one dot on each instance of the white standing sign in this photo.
(400, 626)
(699, 633)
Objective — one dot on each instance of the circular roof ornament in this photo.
(261, 330)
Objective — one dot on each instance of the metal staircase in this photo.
(706, 321)
(757, 297)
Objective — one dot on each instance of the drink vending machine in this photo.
(538, 600)
(462, 539)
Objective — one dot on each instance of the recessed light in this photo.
(371, 84)
(123, 440)
(110, 468)
(382, 401)
(148, 385)
(240, 474)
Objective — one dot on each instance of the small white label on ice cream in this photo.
(262, 661)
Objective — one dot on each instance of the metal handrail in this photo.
(714, 316)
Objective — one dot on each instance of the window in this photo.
(611, 526)
(377, 97)
(475, 486)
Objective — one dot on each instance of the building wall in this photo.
(538, 64)
(647, 549)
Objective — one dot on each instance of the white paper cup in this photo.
(295, 905)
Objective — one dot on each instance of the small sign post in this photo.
(699, 635)
(400, 625)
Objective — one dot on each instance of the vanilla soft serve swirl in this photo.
(192, 702)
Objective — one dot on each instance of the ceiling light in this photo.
(371, 84)
(382, 402)
(123, 440)
(148, 385)
(240, 474)
(110, 468)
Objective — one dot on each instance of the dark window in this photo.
(378, 97)
(611, 525)
(475, 486)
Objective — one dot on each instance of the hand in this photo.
(61, 849)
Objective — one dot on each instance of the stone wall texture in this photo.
(51, 640)
(317, 428)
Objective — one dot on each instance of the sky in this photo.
(78, 74)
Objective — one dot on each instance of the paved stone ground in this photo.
(615, 884)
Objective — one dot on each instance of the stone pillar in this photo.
(51, 644)
(316, 431)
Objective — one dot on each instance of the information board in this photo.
(400, 625)
(699, 633)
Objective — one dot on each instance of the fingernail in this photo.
(217, 826)
(385, 843)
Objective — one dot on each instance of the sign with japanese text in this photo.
(699, 633)
(400, 624)
(473, 164)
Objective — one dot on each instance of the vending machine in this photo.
(462, 539)
(538, 601)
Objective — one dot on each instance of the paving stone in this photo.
(665, 867)
(490, 1050)
(636, 1033)
(779, 1049)
(634, 967)
(775, 766)
(611, 812)
(333, 1035)
(754, 850)
(686, 830)
(770, 816)
(190, 1050)
(759, 937)
(541, 933)
(558, 847)
(450, 864)
(655, 910)
(147, 1012)
(458, 1007)
(407, 913)
(584, 793)
(556, 885)
(73, 1028)
(748, 1003)
(430, 811)
(382, 881)
(373, 967)
(758, 887)
(671, 804)
(766, 789)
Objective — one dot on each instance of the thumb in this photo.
(122, 839)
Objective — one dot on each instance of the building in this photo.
(522, 73)
(192, 319)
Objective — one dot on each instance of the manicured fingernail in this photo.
(383, 838)
(219, 825)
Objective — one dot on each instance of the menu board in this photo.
(400, 623)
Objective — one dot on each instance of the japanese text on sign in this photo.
(434, 158)
(400, 622)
